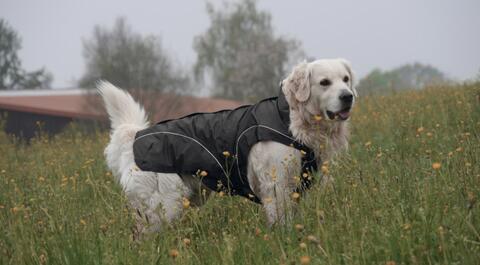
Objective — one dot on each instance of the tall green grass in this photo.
(406, 192)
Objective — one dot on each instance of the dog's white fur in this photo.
(272, 166)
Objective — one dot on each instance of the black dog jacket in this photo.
(215, 146)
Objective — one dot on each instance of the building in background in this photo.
(27, 112)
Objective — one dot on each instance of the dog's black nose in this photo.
(346, 97)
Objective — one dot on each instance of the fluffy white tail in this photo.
(127, 118)
(121, 107)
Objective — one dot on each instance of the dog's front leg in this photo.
(272, 171)
(278, 205)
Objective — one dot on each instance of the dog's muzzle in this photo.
(341, 115)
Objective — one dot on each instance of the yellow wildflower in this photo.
(471, 197)
(42, 258)
(299, 227)
(313, 239)
(440, 229)
(15, 210)
(436, 165)
(186, 203)
(324, 169)
(305, 260)
(297, 179)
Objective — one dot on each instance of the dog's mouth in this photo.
(341, 115)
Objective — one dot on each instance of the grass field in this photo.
(407, 192)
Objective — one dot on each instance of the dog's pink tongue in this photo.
(344, 114)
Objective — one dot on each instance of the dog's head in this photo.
(323, 89)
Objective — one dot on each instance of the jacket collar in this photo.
(283, 108)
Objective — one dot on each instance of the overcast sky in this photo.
(369, 33)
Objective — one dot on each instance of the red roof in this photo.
(78, 104)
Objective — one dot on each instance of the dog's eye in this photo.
(346, 79)
(325, 82)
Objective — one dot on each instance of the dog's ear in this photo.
(298, 83)
(353, 79)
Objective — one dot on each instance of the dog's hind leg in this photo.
(157, 199)
(198, 192)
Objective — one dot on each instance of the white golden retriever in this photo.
(320, 95)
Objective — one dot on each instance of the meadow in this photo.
(406, 192)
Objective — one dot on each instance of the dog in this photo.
(319, 98)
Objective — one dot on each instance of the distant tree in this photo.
(130, 60)
(12, 75)
(241, 54)
(409, 76)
